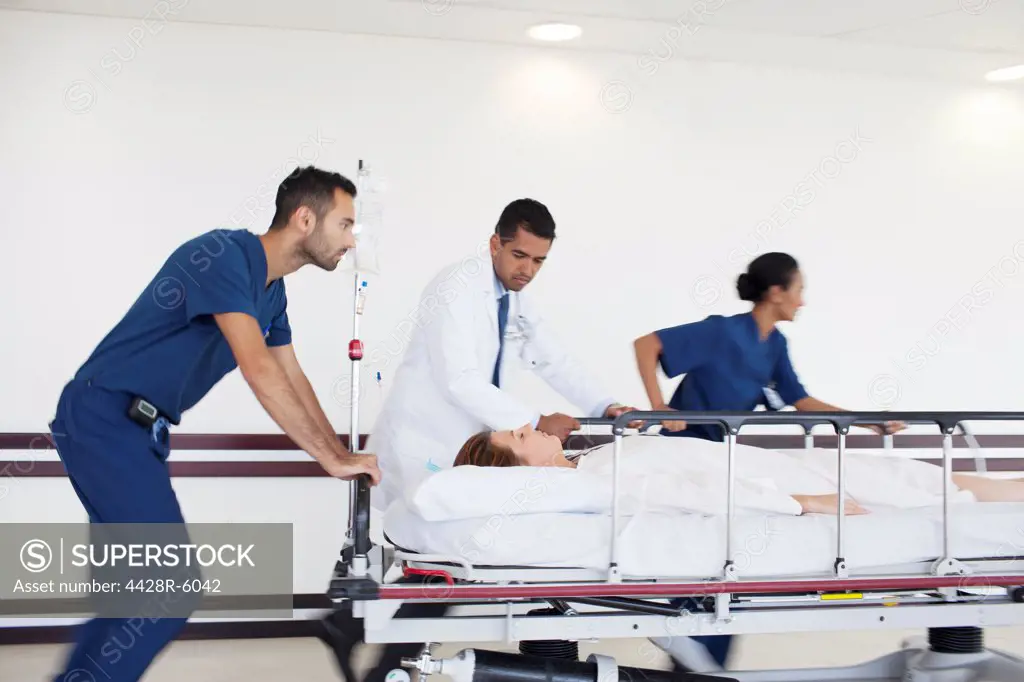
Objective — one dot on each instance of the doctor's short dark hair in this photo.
(312, 187)
(529, 214)
(763, 273)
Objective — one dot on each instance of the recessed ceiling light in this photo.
(1009, 74)
(555, 32)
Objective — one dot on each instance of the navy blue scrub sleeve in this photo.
(787, 384)
(688, 346)
(225, 286)
(280, 333)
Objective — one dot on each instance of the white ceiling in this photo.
(954, 39)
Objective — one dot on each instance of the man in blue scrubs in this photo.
(217, 303)
(734, 363)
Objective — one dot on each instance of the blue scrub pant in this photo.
(118, 470)
(717, 645)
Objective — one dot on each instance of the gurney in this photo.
(881, 572)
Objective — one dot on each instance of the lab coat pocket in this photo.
(528, 347)
(528, 356)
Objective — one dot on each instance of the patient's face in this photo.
(532, 448)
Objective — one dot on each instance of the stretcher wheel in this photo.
(1017, 594)
(550, 648)
(397, 675)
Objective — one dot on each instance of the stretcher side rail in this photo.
(732, 422)
(353, 566)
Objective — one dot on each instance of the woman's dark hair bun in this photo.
(746, 288)
(763, 273)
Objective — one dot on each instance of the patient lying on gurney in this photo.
(692, 474)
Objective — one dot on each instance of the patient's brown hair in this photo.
(479, 451)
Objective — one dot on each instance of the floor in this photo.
(278, 660)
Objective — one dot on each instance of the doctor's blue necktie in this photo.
(502, 321)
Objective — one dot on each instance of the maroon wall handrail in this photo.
(271, 442)
(278, 441)
(180, 441)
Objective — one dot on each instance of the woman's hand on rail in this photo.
(672, 425)
(347, 468)
(828, 504)
(616, 409)
(811, 404)
(887, 428)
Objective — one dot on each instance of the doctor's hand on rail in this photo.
(349, 467)
(558, 425)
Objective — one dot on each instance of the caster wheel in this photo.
(397, 675)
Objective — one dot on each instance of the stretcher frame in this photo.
(952, 597)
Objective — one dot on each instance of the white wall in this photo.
(658, 206)
(663, 181)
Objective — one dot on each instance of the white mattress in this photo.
(682, 545)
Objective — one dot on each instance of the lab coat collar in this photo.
(492, 294)
(499, 288)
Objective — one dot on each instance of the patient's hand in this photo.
(828, 504)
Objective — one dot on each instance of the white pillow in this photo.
(464, 492)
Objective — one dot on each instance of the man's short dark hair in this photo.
(529, 214)
(312, 187)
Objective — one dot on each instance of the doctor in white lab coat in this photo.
(475, 320)
(472, 323)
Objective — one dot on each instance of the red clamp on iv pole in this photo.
(355, 350)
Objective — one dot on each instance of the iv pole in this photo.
(355, 352)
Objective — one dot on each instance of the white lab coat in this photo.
(442, 393)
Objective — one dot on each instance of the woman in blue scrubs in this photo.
(733, 363)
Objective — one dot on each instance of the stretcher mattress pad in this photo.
(672, 513)
(664, 544)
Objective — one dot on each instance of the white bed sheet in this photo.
(680, 545)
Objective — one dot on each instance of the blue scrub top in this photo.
(727, 367)
(168, 348)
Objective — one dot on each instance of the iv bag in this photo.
(369, 224)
